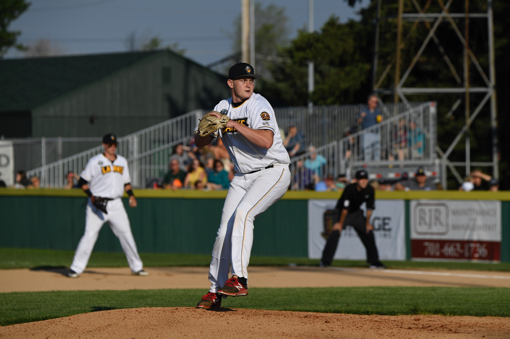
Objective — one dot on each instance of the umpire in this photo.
(353, 196)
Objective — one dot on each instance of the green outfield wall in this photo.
(185, 221)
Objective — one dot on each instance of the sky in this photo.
(201, 27)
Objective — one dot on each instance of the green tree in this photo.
(10, 10)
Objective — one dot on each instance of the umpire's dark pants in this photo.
(358, 221)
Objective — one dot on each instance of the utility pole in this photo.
(399, 42)
(245, 23)
(252, 33)
(310, 64)
(466, 81)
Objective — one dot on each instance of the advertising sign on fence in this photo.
(388, 222)
(6, 162)
(456, 230)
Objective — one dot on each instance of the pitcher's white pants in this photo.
(248, 196)
(119, 223)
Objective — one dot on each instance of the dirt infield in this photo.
(191, 323)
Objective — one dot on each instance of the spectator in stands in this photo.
(400, 140)
(2, 183)
(199, 185)
(416, 141)
(218, 180)
(22, 181)
(196, 173)
(209, 166)
(184, 157)
(493, 185)
(174, 178)
(36, 183)
(384, 185)
(294, 143)
(341, 181)
(468, 184)
(70, 179)
(480, 180)
(219, 150)
(316, 162)
(303, 178)
(349, 145)
(371, 141)
(419, 183)
(375, 185)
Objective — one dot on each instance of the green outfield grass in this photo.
(30, 258)
(26, 307)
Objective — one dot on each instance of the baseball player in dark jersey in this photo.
(353, 196)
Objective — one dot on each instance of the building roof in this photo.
(28, 83)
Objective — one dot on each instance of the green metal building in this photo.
(90, 95)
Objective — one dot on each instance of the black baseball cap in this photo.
(382, 181)
(361, 174)
(109, 138)
(493, 182)
(420, 171)
(242, 69)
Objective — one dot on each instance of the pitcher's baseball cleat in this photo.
(234, 288)
(141, 272)
(72, 274)
(210, 301)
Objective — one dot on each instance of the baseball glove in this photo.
(210, 123)
(100, 203)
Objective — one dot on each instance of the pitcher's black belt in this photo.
(270, 166)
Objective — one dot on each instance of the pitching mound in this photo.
(195, 323)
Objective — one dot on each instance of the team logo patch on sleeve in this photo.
(265, 116)
(224, 111)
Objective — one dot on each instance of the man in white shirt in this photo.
(261, 165)
(107, 176)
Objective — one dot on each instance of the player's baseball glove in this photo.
(100, 203)
(210, 123)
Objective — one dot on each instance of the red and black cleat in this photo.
(234, 288)
(210, 301)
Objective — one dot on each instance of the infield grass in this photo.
(26, 307)
(32, 258)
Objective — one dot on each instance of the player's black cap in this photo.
(361, 174)
(420, 171)
(382, 181)
(109, 138)
(242, 69)
(493, 182)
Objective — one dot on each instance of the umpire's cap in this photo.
(109, 138)
(241, 70)
(361, 174)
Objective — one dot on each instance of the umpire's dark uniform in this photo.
(352, 198)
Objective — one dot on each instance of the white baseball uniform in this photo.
(106, 179)
(253, 189)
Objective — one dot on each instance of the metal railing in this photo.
(406, 140)
(147, 152)
(321, 125)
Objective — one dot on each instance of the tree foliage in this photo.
(10, 10)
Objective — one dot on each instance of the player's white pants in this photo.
(119, 223)
(248, 196)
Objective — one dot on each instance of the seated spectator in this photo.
(36, 183)
(384, 185)
(195, 173)
(350, 145)
(184, 158)
(209, 166)
(375, 185)
(70, 179)
(468, 184)
(218, 180)
(174, 178)
(341, 181)
(416, 141)
(199, 185)
(219, 150)
(304, 178)
(316, 162)
(330, 184)
(22, 181)
(480, 180)
(294, 143)
(493, 185)
(400, 140)
(419, 183)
